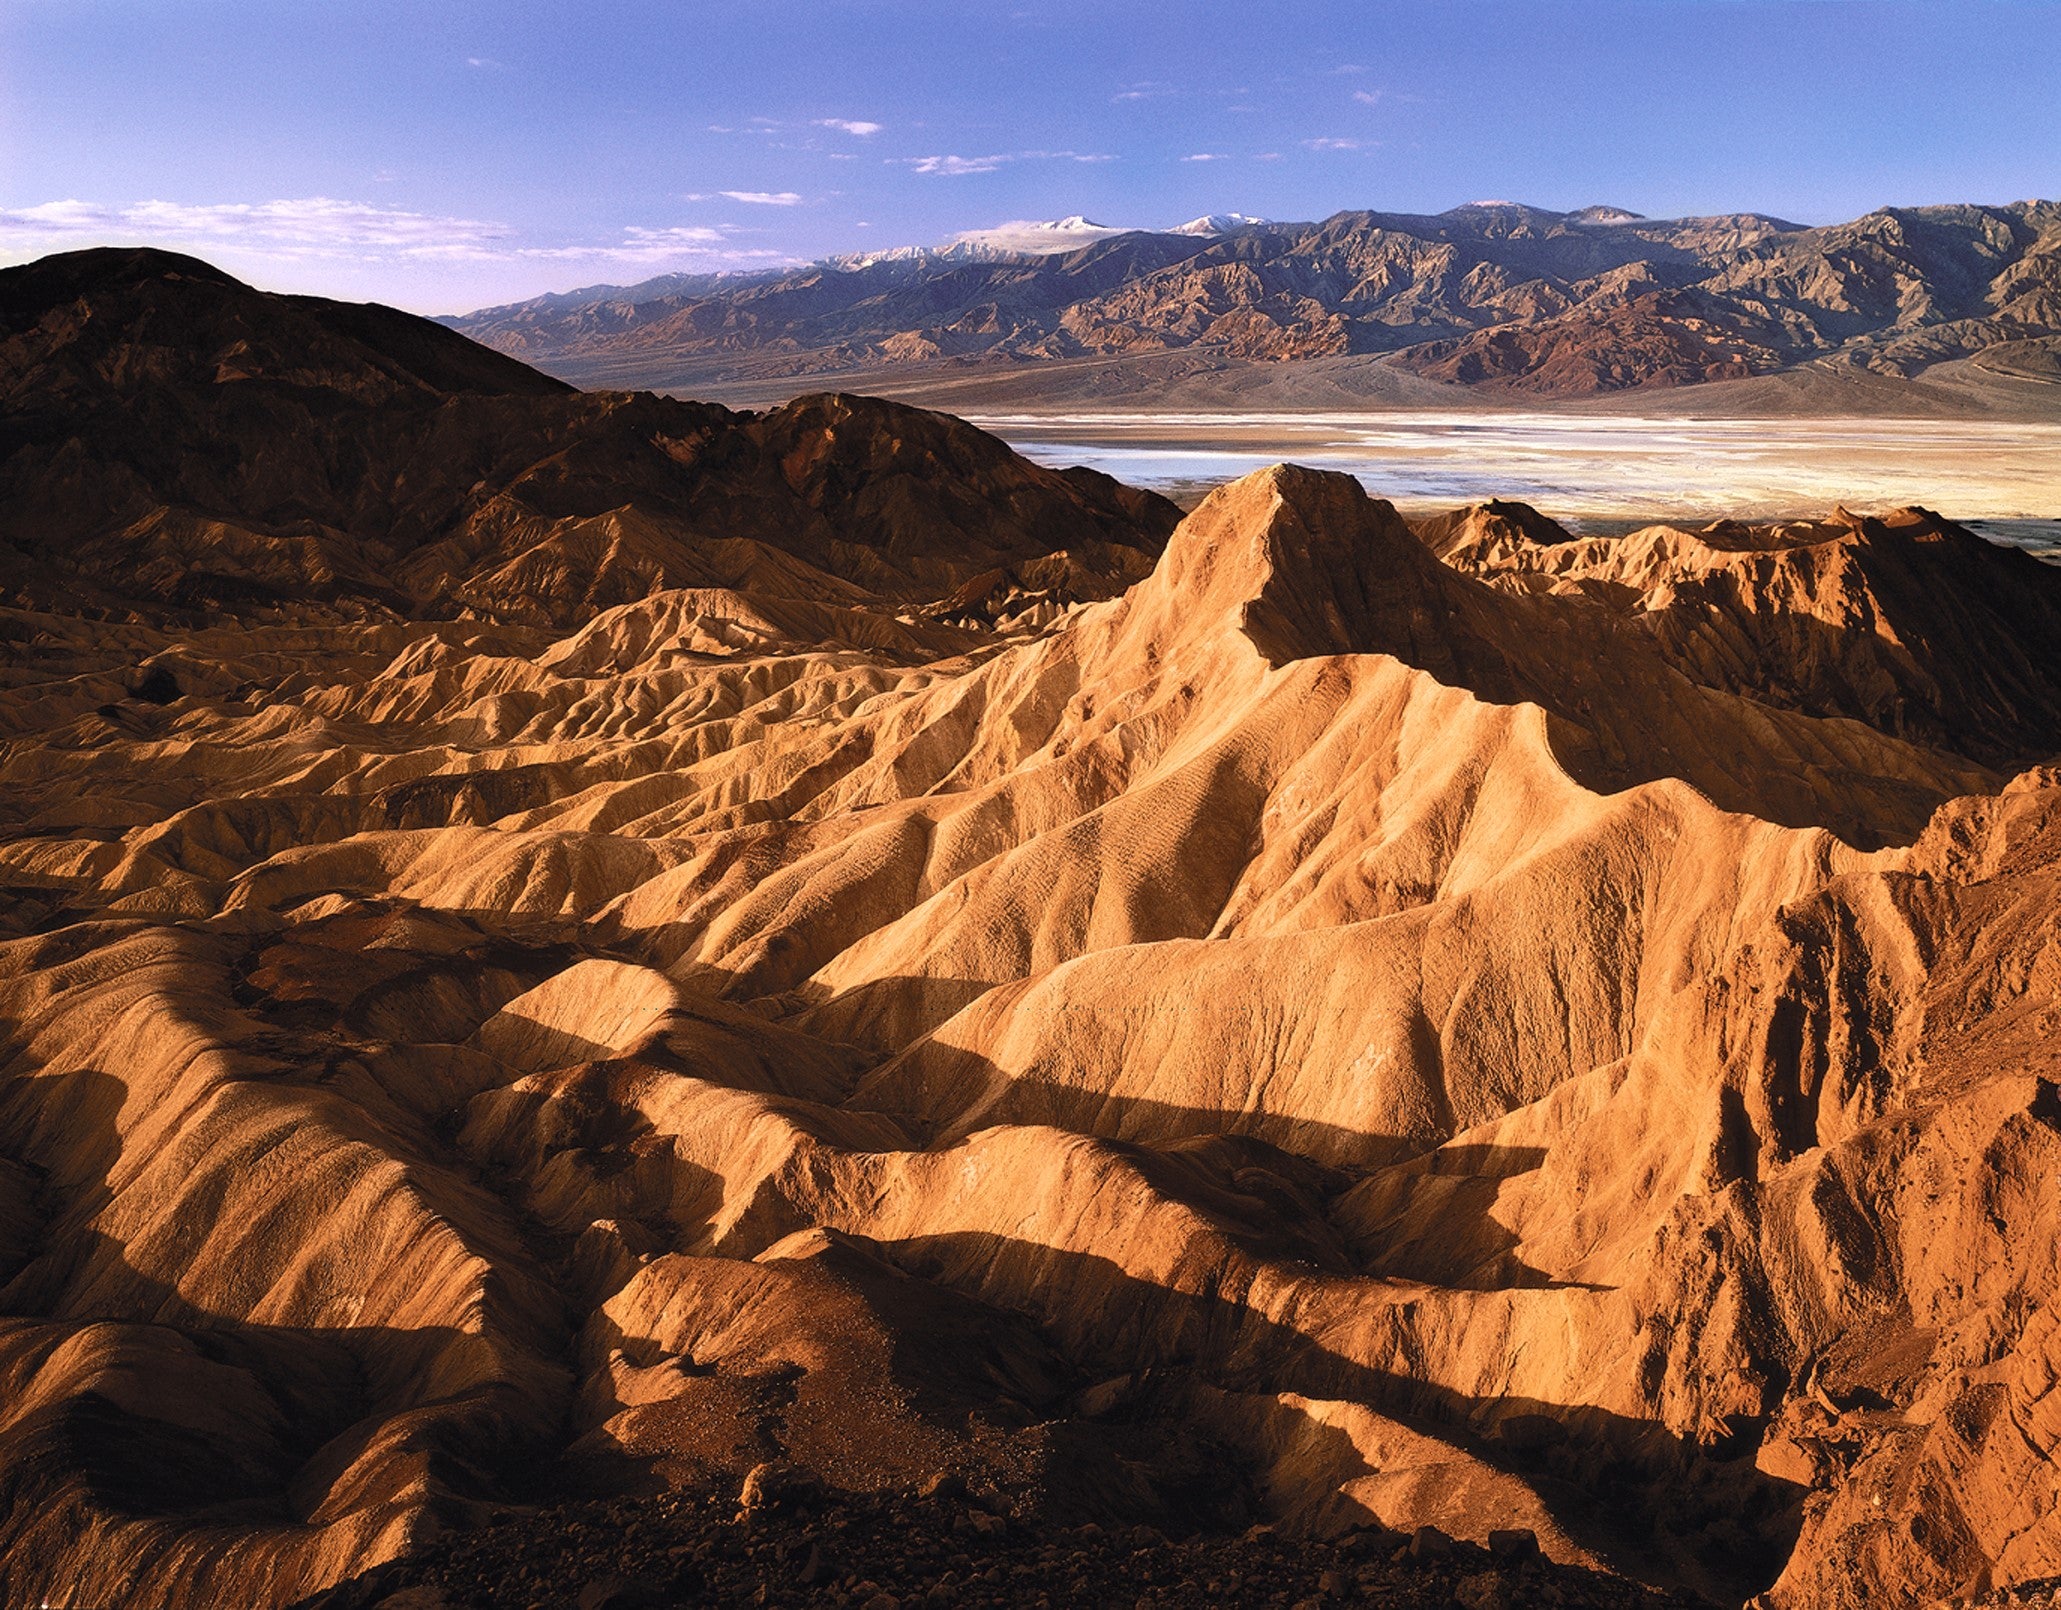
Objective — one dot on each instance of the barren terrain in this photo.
(1942, 310)
(568, 944)
(1590, 467)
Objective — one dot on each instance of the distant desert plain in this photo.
(1588, 467)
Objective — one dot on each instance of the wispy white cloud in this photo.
(309, 226)
(1146, 90)
(677, 235)
(1370, 97)
(55, 215)
(845, 125)
(757, 198)
(681, 245)
(1207, 156)
(485, 64)
(1332, 145)
(953, 166)
(317, 229)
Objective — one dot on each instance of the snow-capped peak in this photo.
(1215, 223)
(1039, 237)
(1032, 237)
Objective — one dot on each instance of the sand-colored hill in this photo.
(1466, 1027)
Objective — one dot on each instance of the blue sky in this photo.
(444, 156)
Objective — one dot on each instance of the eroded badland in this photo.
(565, 944)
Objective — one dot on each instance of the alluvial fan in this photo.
(570, 948)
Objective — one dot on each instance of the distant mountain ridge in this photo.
(1492, 296)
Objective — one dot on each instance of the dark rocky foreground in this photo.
(803, 1545)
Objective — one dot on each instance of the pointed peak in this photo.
(1480, 533)
(1300, 561)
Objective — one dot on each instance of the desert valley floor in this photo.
(1594, 472)
(565, 946)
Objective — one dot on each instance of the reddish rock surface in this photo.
(1468, 1029)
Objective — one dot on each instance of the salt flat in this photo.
(1608, 468)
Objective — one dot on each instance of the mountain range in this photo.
(1024, 238)
(1492, 299)
(607, 1002)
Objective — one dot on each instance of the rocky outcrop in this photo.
(1906, 622)
(788, 1542)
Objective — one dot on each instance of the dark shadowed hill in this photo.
(170, 435)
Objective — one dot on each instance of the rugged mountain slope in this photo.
(1332, 1032)
(1907, 622)
(171, 437)
(1495, 297)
